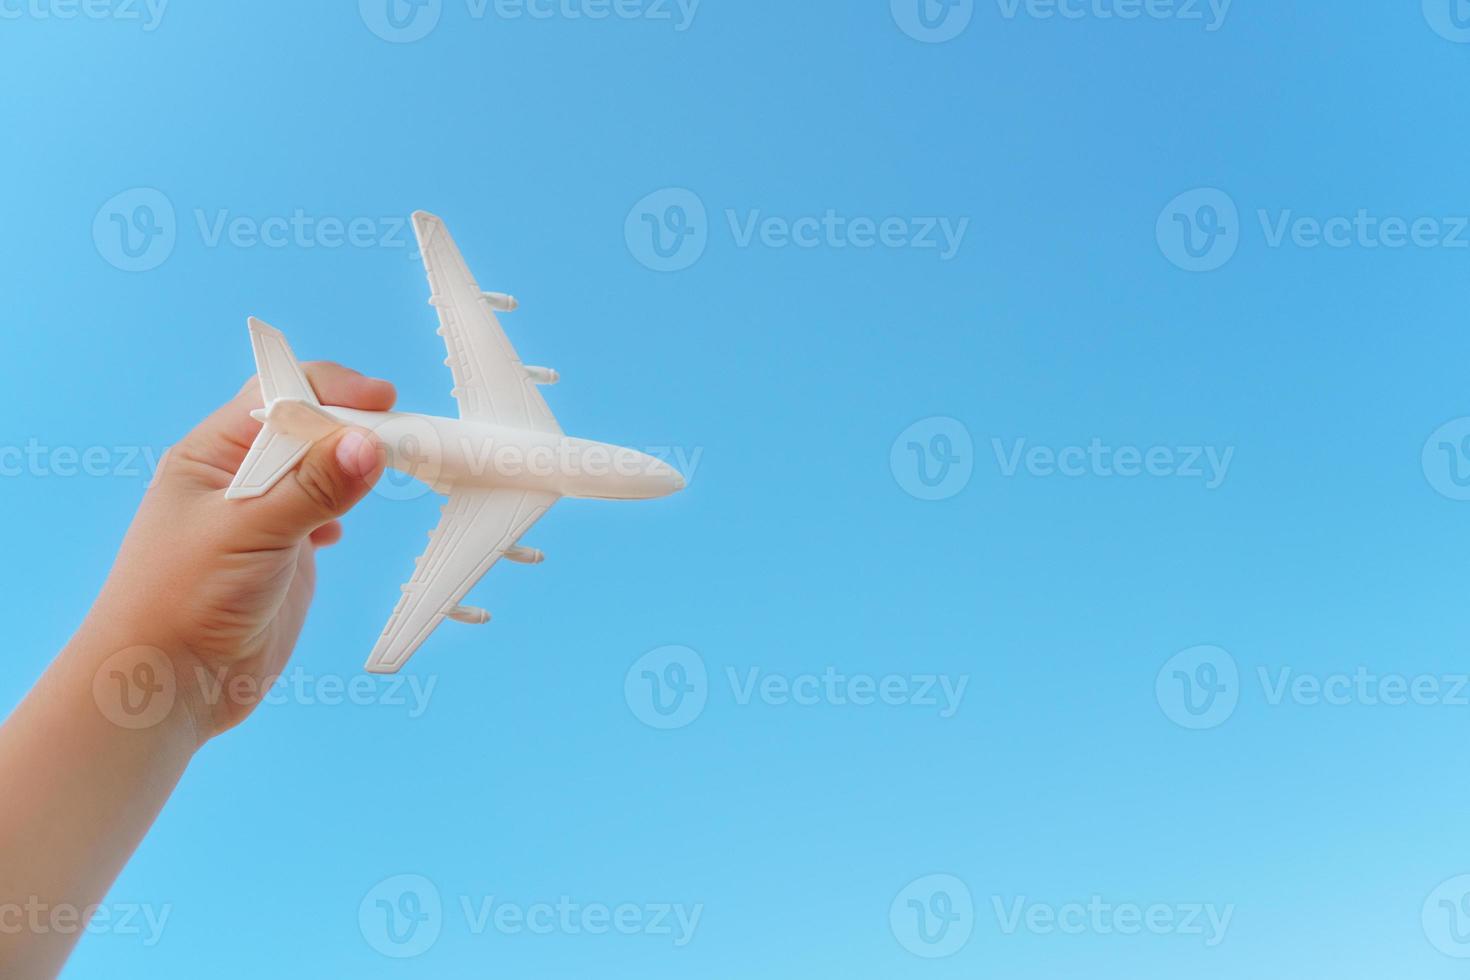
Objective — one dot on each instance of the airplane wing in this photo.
(478, 526)
(490, 382)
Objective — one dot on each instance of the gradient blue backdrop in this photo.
(791, 372)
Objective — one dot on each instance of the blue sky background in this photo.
(790, 377)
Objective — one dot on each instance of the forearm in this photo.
(86, 763)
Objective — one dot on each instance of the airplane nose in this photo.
(671, 478)
(644, 476)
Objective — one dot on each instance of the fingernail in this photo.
(356, 454)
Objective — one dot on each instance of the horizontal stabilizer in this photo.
(293, 418)
(271, 457)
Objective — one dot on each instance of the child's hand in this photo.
(222, 586)
(212, 591)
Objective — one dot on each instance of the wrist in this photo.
(141, 680)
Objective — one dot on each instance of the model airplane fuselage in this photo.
(457, 453)
(502, 463)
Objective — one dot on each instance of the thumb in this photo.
(335, 474)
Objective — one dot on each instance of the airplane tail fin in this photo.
(293, 417)
(280, 375)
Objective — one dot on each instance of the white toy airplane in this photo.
(502, 463)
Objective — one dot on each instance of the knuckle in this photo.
(327, 367)
(319, 484)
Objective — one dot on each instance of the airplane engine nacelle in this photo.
(526, 556)
(470, 615)
(542, 375)
(501, 302)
